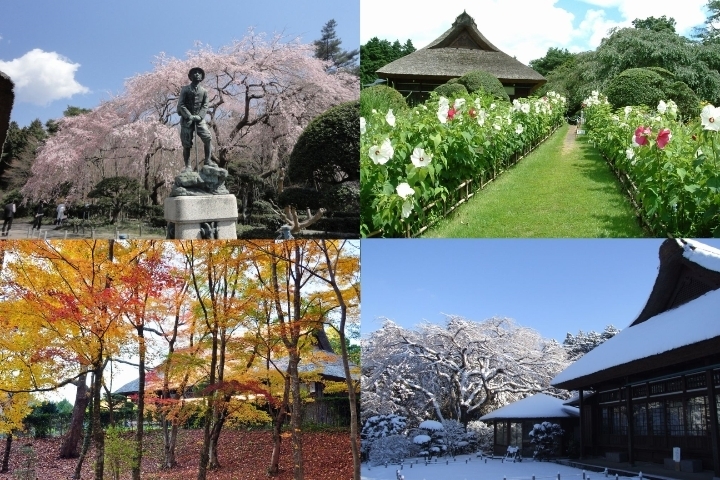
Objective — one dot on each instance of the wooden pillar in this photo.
(630, 425)
(714, 430)
(495, 444)
(582, 424)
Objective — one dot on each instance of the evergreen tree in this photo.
(580, 344)
(377, 53)
(327, 47)
(552, 59)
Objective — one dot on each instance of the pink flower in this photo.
(451, 113)
(641, 134)
(663, 138)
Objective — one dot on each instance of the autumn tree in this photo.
(65, 291)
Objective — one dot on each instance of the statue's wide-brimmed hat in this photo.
(196, 69)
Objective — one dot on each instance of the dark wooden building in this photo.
(514, 422)
(459, 50)
(655, 386)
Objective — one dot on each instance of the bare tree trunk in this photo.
(71, 442)
(137, 457)
(98, 433)
(6, 455)
(85, 445)
(296, 417)
(274, 468)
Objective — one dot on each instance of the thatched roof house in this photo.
(6, 102)
(459, 50)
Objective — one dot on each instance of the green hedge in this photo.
(380, 98)
(451, 90)
(480, 80)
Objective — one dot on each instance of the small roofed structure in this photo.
(656, 384)
(514, 422)
(7, 98)
(460, 50)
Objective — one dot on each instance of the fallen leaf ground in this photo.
(244, 455)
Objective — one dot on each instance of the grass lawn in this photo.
(562, 189)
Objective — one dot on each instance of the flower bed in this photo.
(668, 167)
(418, 165)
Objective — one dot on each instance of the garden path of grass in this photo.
(562, 189)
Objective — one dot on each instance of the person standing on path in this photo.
(9, 214)
(39, 212)
(60, 213)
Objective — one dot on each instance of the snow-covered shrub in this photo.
(380, 426)
(437, 444)
(454, 436)
(547, 438)
(391, 449)
(484, 434)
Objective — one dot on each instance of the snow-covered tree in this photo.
(580, 344)
(547, 438)
(379, 426)
(454, 436)
(457, 370)
(484, 433)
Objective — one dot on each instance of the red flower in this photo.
(663, 138)
(472, 113)
(451, 113)
(641, 134)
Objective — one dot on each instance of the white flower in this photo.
(710, 118)
(374, 111)
(525, 108)
(442, 114)
(492, 106)
(672, 108)
(662, 107)
(509, 120)
(404, 190)
(497, 127)
(380, 155)
(390, 118)
(519, 128)
(407, 208)
(362, 126)
(445, 102)
(419, 158)
(698, 153)
(459, 102)
(481, 116)
(629, 153)
(633, 142)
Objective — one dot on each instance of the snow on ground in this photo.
(470, 467)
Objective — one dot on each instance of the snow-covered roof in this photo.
(685, 325)
(704, 255)
(539, 405)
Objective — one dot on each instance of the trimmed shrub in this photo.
(328, 150)
(300, 198)
(547, 438)
(380, 98)
(479, 80)
(451, 90)
(342, 198)
(636, 86)
(338, 224)
(688, 103)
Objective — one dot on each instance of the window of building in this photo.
(614, 420)
(640, 421)
(697, 415)
(674, 411)
(516, 434)
(656, 417)
(501, 438)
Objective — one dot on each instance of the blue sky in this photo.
(522, 28)
(554, 286)
(78, 52)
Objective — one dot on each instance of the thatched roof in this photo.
(6, 102)
(460, 50)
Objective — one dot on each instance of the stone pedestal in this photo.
(189, 213)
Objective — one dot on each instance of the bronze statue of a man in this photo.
(192, 107)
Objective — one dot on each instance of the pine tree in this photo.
(327, 47)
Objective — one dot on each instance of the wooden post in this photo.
(714, 430)
(582, 424)
(630, 425)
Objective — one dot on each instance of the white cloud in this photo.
(43, 77)
(687, 14)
